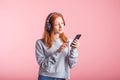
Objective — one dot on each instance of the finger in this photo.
(76, 40)
(75, 46)
(74, 43)
(65, 44)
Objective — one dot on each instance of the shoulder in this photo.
(39, 41)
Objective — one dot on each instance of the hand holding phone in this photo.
(74, 43)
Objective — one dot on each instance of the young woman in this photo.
(54, 52)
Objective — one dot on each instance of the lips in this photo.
(60, 29)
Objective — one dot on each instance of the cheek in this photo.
(55, 28)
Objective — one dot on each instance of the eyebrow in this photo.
(59, 22)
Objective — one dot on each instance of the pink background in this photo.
(22, 22)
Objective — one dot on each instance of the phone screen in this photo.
(77, 36)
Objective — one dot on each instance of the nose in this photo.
(60, 25)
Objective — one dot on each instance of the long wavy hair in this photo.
(47, 37)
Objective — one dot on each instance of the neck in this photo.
(55, 36)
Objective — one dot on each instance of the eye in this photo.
(56, 24)
(62, 24)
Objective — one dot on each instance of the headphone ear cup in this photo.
(48, 26)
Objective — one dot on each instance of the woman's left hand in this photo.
(75, 43)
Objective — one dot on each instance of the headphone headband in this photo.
(50, 15)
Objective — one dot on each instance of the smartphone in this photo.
(76, 37)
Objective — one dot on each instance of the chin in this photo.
(60, 32)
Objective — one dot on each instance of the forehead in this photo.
(58, 19)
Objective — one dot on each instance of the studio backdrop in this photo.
(22, 23)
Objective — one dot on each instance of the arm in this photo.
(73, 53)
(45, 63)
(72, 57)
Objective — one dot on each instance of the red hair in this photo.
(47, 35)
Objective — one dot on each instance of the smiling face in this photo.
(58, 25)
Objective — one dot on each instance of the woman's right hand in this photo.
(62, 47)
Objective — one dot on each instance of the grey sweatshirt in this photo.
(53, 63)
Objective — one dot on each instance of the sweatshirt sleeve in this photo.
(47, 64)
(72, 57)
